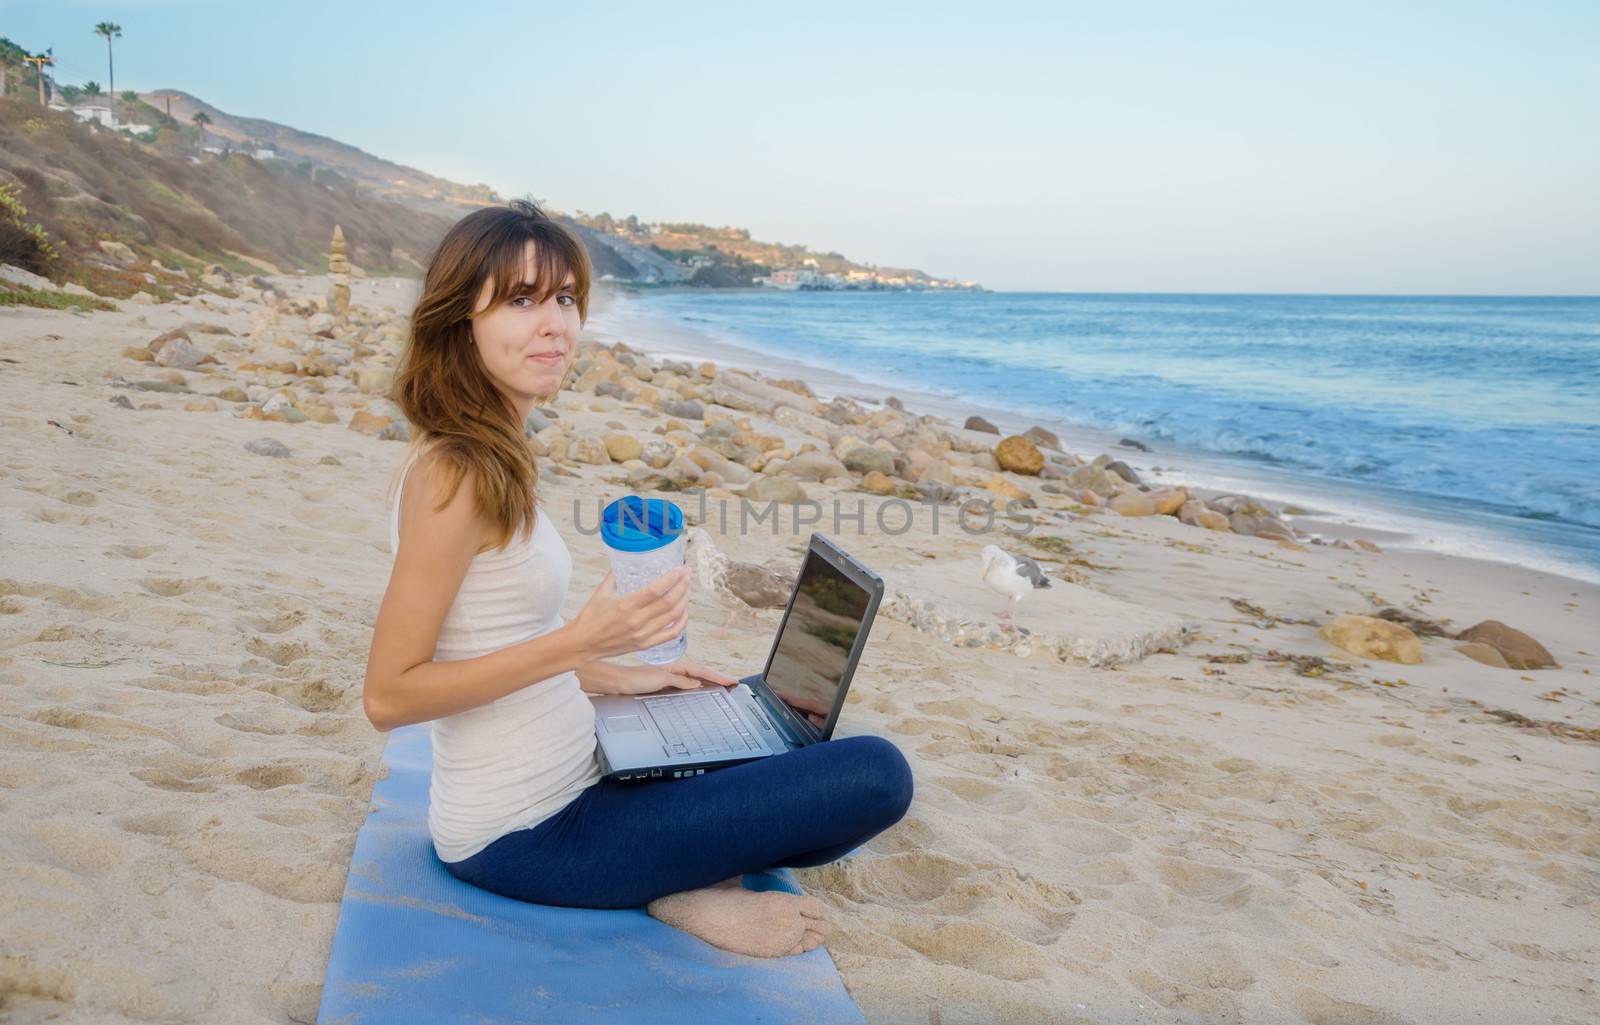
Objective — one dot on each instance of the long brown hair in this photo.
(441, 384)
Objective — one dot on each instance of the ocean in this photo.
(1462, 424)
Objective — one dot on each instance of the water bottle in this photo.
(644, 538)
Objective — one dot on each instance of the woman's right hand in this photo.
(615, 624)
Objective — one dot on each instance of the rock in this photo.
(1132, 504)
(397, 430)
(179, 353)
(1043, 438)
(368, 423)
(683, 409)
(1130, 443)
(139, 353)
(864, 458)
(589, 447)
(1004, 488)
(142, 299)
(374, 380)
(817, 466)
(1488, 654)
(1371, 637)
(1168, 500)
(1518, 649)
(200, 406)
(535, 423)
(1123, 470)
(978, 423)
(121, 400)
(623, 447)
(1195, 514)
(774, 489)
(658, 452)
(73, 288)
(707, 370)
(118, 253)
(613, 390)
(739, 391)
(166, 386)
(25, 278)
(1093, 478)
(329, 461)
(878, 483)
(1019, 455)
(324, 414)
(338, 275)
(267, 447)
(233, 393)
(319, 322)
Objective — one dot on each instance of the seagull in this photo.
(1012, 576)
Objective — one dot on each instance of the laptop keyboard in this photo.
(701, 724)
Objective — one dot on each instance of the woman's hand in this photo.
(677, 676)
(612, 624)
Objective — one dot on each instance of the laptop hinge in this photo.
(780, 713)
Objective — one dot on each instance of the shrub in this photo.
(22, 244)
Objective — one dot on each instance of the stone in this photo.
(27, 279)
(365, 422)
(1131, 443)
(1123, 470)
(1371, 637)
(657, 453)
(623, 447)
(740, 391)
(374, 380)
(1196, 514)
(118, 253)
(1019, 455)
(179, 353)
(1004, 488)
(200, 406)
(323, 414)
(121, 400)
(589, 447)
(397, 430)
(878, 483)
(338, 276)
(978, 423)
(864, 458)
(817, 466)
(139, 353)
(1043, 438)
(1168, 500)
(774, 489)
(267, 447)
(683, 409)
(1518, 649)
(142, 299)
(1132, 504)
(707, 370)
(1093, 478)
(1488, 654)
(73, 288)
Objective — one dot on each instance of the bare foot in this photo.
(766, 924)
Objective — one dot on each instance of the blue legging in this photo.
(622, 845)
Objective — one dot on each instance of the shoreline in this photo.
(1334, 509)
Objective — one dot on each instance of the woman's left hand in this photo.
(677, 676)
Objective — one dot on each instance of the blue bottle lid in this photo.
(635, 524)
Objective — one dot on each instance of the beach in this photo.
(1166, 798)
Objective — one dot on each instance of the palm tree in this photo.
(91, 89)
(201, 119)
(110, 31)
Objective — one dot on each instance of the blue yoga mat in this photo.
(415, 944)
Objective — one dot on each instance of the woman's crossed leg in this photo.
(678, 846)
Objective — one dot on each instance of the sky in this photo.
(1352, 147)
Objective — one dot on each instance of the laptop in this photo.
(793, 702)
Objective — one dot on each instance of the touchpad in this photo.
(623, 724)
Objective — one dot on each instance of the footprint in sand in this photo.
(278, 652)
(133, 551)
(282, 622)
(164, 780)
(270, 777)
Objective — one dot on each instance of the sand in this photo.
(184, 763)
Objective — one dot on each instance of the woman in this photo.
(470, 637)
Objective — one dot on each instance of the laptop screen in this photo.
(813, 648)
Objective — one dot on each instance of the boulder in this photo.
(1371, 637)
(1196, 514)
(978, 423)
(1168, 500)
(118, 253)
(589, 447)
(740, 391)
(1123, 470)
(1488, 654)
(267, 447)
(1019, 455)
(1043, 438)
(179, 353)
(374, 380)
(623, 447)
(1518, 649)
(878, 483)
(658, 452)
(1004, 488)
(817, 466)
(865, 458)
(368, 423)
(1133, 504)
(27, 279)
(683, 409)
(774, 489)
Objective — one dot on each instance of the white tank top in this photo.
(516, 761)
